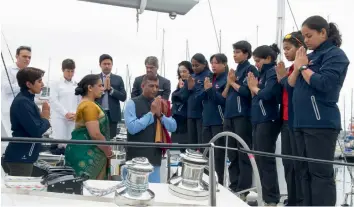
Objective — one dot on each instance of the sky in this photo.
(83, 31)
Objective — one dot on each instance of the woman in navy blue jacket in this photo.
(195, 83)
(26, 121)
(291, 43)
(238, 116)
(179, 103)
(317, 79)
(213, 108)
(266, 92)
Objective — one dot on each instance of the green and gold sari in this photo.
(88, 158)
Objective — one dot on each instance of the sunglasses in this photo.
(290, 36)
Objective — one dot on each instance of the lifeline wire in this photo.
(164, 145)
(289, 157)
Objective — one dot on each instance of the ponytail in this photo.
(265, 51)
(275, 49)
(318, 23)
(334, 35)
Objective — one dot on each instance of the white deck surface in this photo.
(12, 197)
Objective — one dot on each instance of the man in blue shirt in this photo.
(26, 121)
(140, 115)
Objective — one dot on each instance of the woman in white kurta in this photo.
(64, 102)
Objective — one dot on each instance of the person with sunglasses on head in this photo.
(266, 93)
(238, 117)
(317, 80)
(291, 43)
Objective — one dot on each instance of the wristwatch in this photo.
(302, 68)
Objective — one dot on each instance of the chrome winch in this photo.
(190, 184)
(135, 174)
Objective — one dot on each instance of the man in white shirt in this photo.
(9, 86)
(64, 102)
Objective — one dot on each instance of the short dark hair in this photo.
(105, 57)
(149, 77)
(68, 64)
(19, 49)
(244, 46)
(28, 74)
(152, 60)
(220, 58)
(88, 80)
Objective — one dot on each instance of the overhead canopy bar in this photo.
(180, 7)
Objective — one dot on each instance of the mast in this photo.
(157, 21)
(8, 48)
(187, 51)
(351, 112)
(220, 41)
(257, 36)
(49, 72)
(163, 72)
(128, 88)
(280, 26)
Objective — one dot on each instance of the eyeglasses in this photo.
(289, 36)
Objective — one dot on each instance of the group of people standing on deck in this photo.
(255, 102)
(259, 102)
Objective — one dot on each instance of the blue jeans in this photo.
(154, 177)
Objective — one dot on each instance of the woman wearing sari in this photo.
(91, 123)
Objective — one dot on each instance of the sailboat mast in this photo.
(257, 36)
(220, 41)
(49, 71)
(280, 26)
(8, 48)
(351, 112)
(163, 54)
(187, 51)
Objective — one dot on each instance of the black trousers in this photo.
(181, 134)
(208, 133)
(194, 131)
(112, 126)
(240, 169)
(318, 180)
(291, 167)
(265, 136)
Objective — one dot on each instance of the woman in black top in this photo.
(26, 121)
(317, 80)
(179, 104)
(238, 116)
(266, 93)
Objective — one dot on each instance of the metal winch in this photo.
(135, 174)
(190, 184)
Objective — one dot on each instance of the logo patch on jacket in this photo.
(217, 86)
